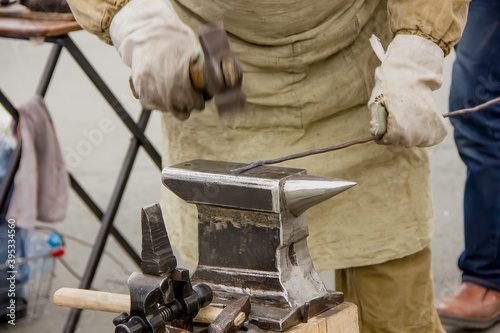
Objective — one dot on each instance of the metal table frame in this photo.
(139, 139)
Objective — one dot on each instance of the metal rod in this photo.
(351, 143)
(305, 153)
(108, 95)
(9, 107)
(85, 197)
(10, 174)
(99, 214)
(474, 109)
(49, 70)
(107, 221)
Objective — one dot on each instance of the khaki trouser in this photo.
(396, 296)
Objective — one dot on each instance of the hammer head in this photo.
(220, 75)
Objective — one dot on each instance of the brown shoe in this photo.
(470, 306)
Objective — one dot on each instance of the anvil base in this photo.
(282, 319)
(270, 310)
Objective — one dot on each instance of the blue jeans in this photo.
(476, 79)
(22, 274)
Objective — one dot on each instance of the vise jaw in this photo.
(252, 237)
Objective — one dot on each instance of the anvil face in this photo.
(265, 188)
(213, 183)
(252, 236)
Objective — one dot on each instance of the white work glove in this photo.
(402, 105)
(159, 47)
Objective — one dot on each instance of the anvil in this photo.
(252, 231)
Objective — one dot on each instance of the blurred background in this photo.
(78, 108)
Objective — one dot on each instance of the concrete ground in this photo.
(78, 109)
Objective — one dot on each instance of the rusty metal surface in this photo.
(252, 237)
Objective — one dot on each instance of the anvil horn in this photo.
(303, 192)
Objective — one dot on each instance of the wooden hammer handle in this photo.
(111, 302)
(197, 77)
(230, 70)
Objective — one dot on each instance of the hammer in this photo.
(229, 319)
(220, 73)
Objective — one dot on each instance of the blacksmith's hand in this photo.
(402, 105)
(159, 47)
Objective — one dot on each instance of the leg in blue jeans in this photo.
(22, 270)
(476, 79)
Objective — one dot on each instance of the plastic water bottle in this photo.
(40, 247)
(40, 244)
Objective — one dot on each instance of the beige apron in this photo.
(308, 73)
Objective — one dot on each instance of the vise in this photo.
(252, 237)
(162, 293)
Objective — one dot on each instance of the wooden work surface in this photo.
(20, 27)
(342, 318)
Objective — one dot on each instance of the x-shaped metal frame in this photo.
(139, 139)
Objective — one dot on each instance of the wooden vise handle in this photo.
(111, 302)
